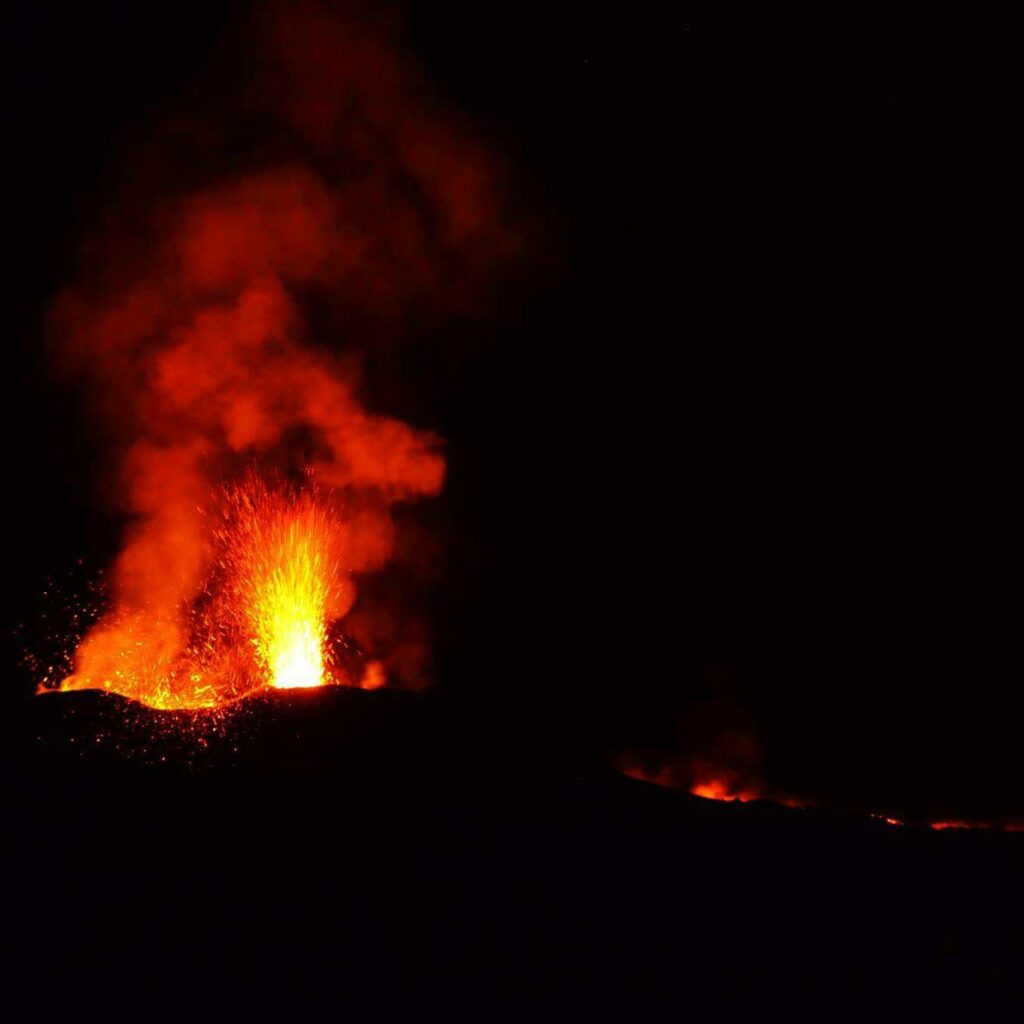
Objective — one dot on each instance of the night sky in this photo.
(737, 454)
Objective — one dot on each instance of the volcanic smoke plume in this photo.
(317, 204)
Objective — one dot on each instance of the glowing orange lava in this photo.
(284, 571)
(942, 826)
(723, 789)
(274, 585)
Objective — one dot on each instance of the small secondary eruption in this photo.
(725, 785)
(714, 755)
(700, 778)
(269, 237)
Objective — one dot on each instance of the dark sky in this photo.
(823, 467)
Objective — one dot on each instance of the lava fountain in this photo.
(263, 618)
(287, 581)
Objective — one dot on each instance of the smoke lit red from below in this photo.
(219, 328)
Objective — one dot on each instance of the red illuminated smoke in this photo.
(318, 204)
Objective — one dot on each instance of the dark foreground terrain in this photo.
(344, 858)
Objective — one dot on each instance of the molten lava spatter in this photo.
(275, 583)
(284, 571)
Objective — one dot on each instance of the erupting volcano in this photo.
(221, 326)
